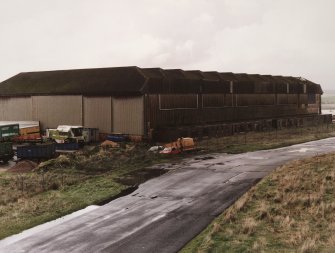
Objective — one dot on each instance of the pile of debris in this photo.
(176, 147)
(23, 167)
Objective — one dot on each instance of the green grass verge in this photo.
(40, 208)
(253, 141)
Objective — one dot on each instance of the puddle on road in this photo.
(123, 193)
(204, 158)
(133, 180)
(138, 177)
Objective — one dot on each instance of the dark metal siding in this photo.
(216, 108)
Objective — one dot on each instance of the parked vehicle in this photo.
(6, 151)
(66, 134)
(38, 151)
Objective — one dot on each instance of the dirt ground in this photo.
(5, 166)
(23, 167)
(20, 167)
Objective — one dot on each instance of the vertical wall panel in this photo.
(128, 115)
(3, 109)
(15, 108)
(98, 113)
(52, 111)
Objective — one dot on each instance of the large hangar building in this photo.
(158, 103)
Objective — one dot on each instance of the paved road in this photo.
(166, 212)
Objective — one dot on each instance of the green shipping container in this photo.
(9, 131)
(6, 151)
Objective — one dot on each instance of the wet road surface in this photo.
(165, 213)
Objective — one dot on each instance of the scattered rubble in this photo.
(156, 149)
(23, 167)
(110, 144)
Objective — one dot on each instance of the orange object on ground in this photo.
(182, 144)
(110, 144)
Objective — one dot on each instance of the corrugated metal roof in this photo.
(102, 81)
(212, 75)
(135, 81)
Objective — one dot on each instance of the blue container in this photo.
(36, 151)
(117, 138)
(67, 146)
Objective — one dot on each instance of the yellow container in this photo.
(30, 130)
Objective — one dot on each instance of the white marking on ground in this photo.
(258, 158)
(158, 217)
(302, 150)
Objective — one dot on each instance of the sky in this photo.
(278, 37)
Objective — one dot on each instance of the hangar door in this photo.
(15, 108)
(128, 115)
(98, 113)
(52, 111)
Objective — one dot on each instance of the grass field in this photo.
(328, 99)
(72, 182)
(247, 142)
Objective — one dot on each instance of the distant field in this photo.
(328, 103)
(328, 106)
(328, 97)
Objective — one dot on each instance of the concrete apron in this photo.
(166, 212)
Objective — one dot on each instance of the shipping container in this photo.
(29, 130)
(38, 151)
(6, 151)
(8, 131)
(67, 146)
(91, 135)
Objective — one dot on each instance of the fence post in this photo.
(22, 184)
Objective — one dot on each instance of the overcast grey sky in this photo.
(282, 37)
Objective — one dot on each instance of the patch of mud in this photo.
(138, 177)
(123, 193)
(133, 180)
(204, 158)
(23, 167)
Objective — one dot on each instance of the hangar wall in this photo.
(15, 108)
(98, 113)
(109, 114)
(128, 115)
(198, 109)
(52, 111)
